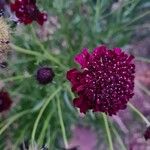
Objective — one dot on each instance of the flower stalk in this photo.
(40, 114)
(108, 132)
(62, 123)
(140, 114)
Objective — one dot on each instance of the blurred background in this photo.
(44, 116)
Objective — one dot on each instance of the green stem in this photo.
(37, 54)
(114, 11)
(97, 13)
(15, 78)
(20, 138)
(118, 137)
(108, 131)
(25, 51)
(137, 18)
(37, 40)
(49, 137)
(139, 113)
(53, 59)
(131, 22)
(62, 123)
(143, 88)
(14, 118)
(44, 129)
(47, 54)
(22, 61)
(40, 114)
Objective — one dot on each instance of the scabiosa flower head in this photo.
(27, 11)
(5, 101)
(147, 133)
(45, 75)
(4, 39)
(105, 81)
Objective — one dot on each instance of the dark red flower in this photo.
(147, 133)
(105, 81)
(5, 101)
(27, 11)
(45, 75)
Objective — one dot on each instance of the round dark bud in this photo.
(45, 75)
